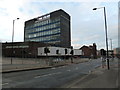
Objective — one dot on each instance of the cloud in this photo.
(76, 46)
(92, 38)
(87, 26)
(74, 40)
(76, 0)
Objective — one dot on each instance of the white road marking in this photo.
(4, 83)
(56, 73)
(63, 66)
(47, 75)
(69, 70)
(53, 68)
(76, 68)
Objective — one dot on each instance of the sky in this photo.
(87, 26)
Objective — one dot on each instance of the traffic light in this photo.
(46, 50)
(57, 51)
(72, 52)
(103, 52)
(65, 51)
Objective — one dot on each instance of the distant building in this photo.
(21, 49)
(52, 28)
(98, 53)
(89, 51)
(116, 52)
(36, 49)
(110, 53)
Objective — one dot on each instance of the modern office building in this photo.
(52, 28)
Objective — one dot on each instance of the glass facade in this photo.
(53, 28)
(47, 31)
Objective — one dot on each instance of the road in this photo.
(48, 78)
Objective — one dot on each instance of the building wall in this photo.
(61, 51)
(21, 49)
(51, 28)
(116, 52)
(86, 51)
(89, 51)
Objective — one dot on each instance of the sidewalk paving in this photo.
(99, 78)
(18, 66)
(22, 67)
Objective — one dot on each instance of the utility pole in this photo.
(13, 39)
(105, 34)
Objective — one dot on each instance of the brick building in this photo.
(89, 51)
(21, 49)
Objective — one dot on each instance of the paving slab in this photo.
(99, 78)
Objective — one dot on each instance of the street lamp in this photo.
(111, 49)
(13, 37)
(111, 43)
(105, 33)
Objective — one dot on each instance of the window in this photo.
(34, 35)
(29, 36)
(54, 25)
(49, 21)
(46, 21)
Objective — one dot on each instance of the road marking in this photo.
(56, 73)
(5, 83)
(47, 75)
(53, 68)
(69, 70)
(76, 68)
(75, 82)
(63, 66)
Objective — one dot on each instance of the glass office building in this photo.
(53, 28)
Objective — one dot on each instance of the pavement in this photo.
(54, 77)
(25, 65)
(100, 77)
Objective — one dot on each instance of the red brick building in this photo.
(21, 49)
(89, 51)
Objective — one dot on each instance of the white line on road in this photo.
(76, 68)
(47, 75)
(4, 83)
(56, 73)
(53, 68)
(63, 66)
(69, 70)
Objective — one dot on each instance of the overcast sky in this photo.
(87, 26)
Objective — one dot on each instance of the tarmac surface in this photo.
(54, 77)
(101, 77)
(19, 64)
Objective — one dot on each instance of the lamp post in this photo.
(13, 37)
(111, 49)
(105, 33)
(111, 43)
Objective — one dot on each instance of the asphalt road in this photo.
(48, 78)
